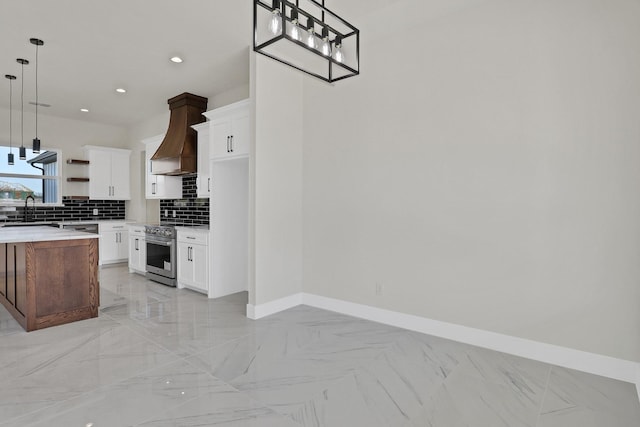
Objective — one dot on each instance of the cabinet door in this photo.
(151, 185)
(100, 175)
(199, 263)
(185, 266)
(120, 179)
(142, 250)
(159, 186)
(109, 250)
(3, 269)
(20, 276)
(204, 179)
(134, 253)
(221, 139)
(123, 245)
(240, 135)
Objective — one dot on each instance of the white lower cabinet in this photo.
(137, 249)
(114, 242)
(192, 258)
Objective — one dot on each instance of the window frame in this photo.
(57, 178)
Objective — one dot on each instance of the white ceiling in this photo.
(92, 47)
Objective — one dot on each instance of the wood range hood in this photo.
(177, 154)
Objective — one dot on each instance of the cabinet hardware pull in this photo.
(232, 143)
(228, 143)
(208, 185)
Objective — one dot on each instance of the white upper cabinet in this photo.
(109, 176)
(230, 131)
(203, 183)
(159, 186)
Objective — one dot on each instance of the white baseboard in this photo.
(638, 381)
(256, 312)
(597, 364)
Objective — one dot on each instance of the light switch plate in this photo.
(95, 211)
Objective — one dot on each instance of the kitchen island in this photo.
(48, 276)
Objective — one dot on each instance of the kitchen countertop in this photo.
(67, 222)
(40, 234)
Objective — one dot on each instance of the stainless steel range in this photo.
(161, 253)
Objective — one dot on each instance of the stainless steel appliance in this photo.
(161, 253)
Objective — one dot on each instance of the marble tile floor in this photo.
(159, 356)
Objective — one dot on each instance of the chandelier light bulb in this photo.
(311, 35)
(295, 28)
(325, 46)
(295, 32)
(338, 55)
(275, 23)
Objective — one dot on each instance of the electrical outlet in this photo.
(173, 214)
(379, 289)
(95, 211)
(166, 213)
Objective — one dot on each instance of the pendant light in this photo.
(10, 155)
(23, 151)
(307, 36)
(36, 140)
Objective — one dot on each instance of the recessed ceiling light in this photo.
(176, 59)
(121, 90)
(84, 110)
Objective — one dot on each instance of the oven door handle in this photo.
(154, 242)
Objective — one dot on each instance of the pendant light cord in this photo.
(22, 109)
(36, 90)
(10, 115)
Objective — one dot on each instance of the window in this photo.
(37, 176)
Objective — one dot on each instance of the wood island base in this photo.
(50, 283)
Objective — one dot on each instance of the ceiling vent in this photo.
(177, 154)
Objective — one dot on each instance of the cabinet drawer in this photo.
(136, 230)
(113, 226)
(195, 237)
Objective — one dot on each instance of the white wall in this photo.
(66, 135)
(484, 169)
(276, 183)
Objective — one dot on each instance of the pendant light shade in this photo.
(23, 151)
(11, 78)
(36, 140)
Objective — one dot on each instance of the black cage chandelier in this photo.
(307, 36)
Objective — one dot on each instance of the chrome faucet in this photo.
(26, 210)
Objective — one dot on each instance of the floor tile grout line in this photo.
(544, 395)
